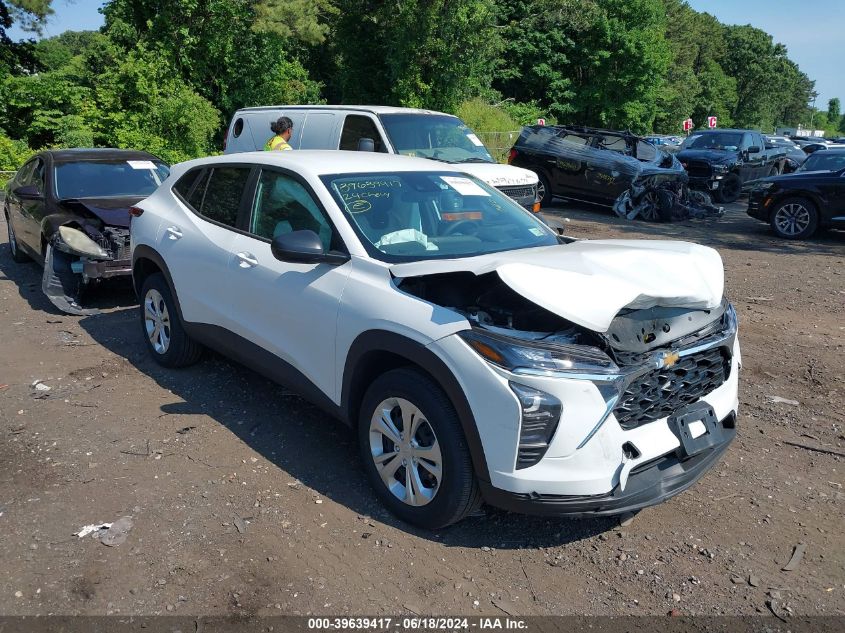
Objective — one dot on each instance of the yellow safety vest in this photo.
(275, 144)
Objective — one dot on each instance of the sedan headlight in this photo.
(80, 244)
(529, 357)
(764, 186)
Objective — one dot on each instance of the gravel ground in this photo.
(246, 500)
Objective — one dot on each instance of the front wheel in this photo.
(162, 328)
(795, 219)
(414, 451)
(730, 189)
(17, 254)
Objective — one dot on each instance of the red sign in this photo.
(711, 121)
(687, 125)
(541, 121)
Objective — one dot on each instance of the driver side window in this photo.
(282, 205)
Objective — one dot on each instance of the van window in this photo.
(356, 127)
(438, 136)
(318, 132)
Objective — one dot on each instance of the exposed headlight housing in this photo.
(537, 358)
(78, 243)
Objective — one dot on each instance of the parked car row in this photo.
(478, 354)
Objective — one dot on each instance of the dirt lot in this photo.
(247, 500)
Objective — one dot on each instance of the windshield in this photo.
(824, 161)
(729, 141)
(105, 179)
(408, 216)
(437, 136)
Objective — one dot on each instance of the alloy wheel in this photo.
(405, 451)
(157, 321)
(792, 218)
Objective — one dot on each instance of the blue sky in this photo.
(812, 31)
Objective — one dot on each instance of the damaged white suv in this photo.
(478, 355)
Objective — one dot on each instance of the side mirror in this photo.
(28, 192)
(366, 144)
(754, 149)
(303, 247)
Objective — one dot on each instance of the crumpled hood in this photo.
(710, 155)
(588, 282)
(497, 175)
(112, 211)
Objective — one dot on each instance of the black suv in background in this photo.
(593, 165)
(721, 161)
(798, 204)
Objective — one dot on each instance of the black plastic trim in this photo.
(655, 483)
(142, 251)
(375, 341)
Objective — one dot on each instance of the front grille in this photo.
(698, 169)
(520, 193)
(116, 242)
(661, 392)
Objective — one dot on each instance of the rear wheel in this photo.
(795, 218)
(414, 451)
(544, 190)
(17, 255)
(162, 328)
(730, 189)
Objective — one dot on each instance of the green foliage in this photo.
(483, 117)
(13, 153)
(303, 20)
(526, 113)
(834, 113)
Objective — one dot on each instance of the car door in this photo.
(13, 203)
(288, 309)
(32, 210)
(197, 243)
(572, 155)
(356, 127)
(610, 172)
(752, 162)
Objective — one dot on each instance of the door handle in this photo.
(174, 232)
(247, 260)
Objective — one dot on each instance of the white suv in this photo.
(478, 355)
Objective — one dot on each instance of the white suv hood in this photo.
(589, 282)
(498, 175)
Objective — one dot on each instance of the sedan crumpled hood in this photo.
(112, 211)
(588, 282)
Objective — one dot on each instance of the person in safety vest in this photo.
(282, 128)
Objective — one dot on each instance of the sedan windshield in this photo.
(437, 136)
(107, 179)
(824, 161)
(408, 216)
(715, 140)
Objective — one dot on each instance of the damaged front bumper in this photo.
(68, 270)
(600, 460)
(662, 198)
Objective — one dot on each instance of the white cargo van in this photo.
(407, 131)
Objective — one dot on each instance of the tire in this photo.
(544, 190)
(730, 189)
(18, 256)
(168, 343)
(446, 490)
(794, 218)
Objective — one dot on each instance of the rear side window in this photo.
(356, 127)
(185, 184)
(216, 194)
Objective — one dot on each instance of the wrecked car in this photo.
(615, 169)
(69, 211)
(477, 354)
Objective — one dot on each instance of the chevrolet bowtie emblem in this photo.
(670, 359)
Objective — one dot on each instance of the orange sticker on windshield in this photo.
(465, 215)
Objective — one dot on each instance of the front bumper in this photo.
(106, 269)
(593, 465)
(757, 205)
(648, 485)
(525, 195)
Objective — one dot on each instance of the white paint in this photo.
(464, 186)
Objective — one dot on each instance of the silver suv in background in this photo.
(408, 131)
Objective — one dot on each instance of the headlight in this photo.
(79, 243)
(527, 357)
(764, 186)
(720, 169)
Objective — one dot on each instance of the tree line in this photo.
(165, 75)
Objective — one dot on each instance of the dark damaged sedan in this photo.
(69, 210)
(615, 169)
